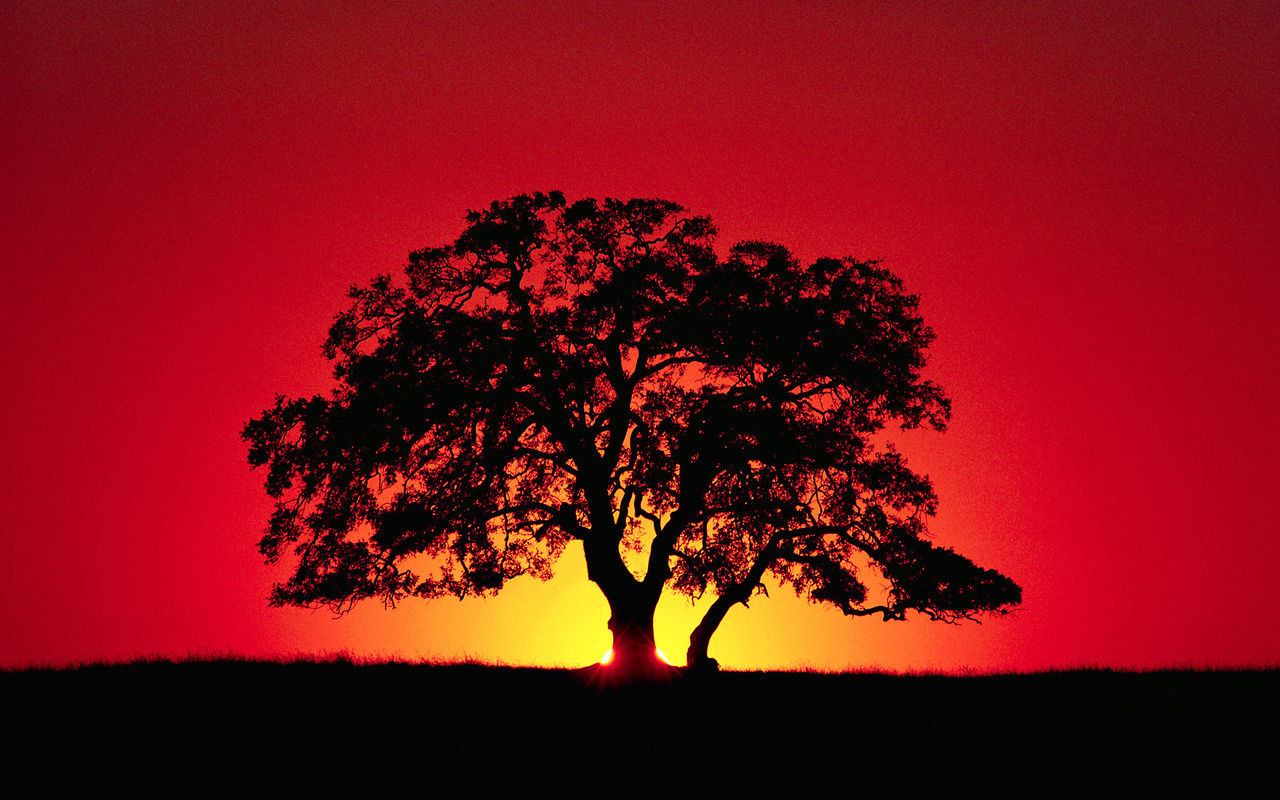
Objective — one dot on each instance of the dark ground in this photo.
(412, 730)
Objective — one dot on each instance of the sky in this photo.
(1085, 196)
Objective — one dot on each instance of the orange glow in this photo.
(1084, 220)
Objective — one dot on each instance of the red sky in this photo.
(1086, 196)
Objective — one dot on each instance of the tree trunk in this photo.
(632, 627)
(697, 657)
(631, 605)
(635, 656)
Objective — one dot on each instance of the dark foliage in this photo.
(595, 371)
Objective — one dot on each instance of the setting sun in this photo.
(608, 656)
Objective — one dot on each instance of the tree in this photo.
(596, 372)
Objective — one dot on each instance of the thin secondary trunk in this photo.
(697, 657)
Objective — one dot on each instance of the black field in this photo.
(413, 730)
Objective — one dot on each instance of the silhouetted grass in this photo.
(341, 724)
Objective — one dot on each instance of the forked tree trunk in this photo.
(631, 606)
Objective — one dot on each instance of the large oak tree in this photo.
(595, 371)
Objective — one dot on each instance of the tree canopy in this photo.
(595, 371)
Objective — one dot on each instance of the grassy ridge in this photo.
(388, 728)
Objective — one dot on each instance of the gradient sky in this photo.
(1086, 195)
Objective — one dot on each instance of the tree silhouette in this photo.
(595, 371)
